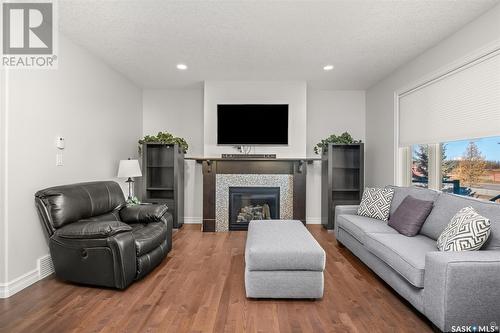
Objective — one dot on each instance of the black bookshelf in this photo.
(342, 179)
(163, 178)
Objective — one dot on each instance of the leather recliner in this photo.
(96, 239)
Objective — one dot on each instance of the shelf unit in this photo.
(163, 178)
(342, 179)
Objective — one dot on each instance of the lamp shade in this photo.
(129, 169)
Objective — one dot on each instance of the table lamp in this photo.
(129, 169)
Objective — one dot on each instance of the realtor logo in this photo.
(28, 34)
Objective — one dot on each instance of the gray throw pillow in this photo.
(410, 215)
(467, 231)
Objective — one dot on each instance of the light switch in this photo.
(59, 159)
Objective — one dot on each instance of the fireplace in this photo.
(252, 203)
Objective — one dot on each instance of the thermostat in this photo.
(60, 142)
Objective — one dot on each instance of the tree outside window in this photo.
(420, 166)
(472, 167)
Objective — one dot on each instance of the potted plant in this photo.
(344, 138)
(165, 138)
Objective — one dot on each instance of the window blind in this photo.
(463, 104)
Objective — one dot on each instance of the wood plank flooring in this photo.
(200, 288)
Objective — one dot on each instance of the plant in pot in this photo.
(133, 201)
(344, 138)
(165, 138)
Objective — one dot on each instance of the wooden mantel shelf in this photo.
(200, 159)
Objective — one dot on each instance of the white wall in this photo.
(329, 112)
(181, 113)
(96, 109)
(292, 93)
(3, 194)
(380, 129)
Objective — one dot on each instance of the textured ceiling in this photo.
(262, 40)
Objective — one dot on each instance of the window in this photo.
(464, 167)
(420, 165)
(472, 167)
(435, 116)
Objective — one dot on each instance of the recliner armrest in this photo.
(462, 288)
(143, 213)
(92, 229)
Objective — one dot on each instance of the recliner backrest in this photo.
(65, 204)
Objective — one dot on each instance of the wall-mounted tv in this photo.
(252, 124)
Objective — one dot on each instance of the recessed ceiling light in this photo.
(328, 67)
(182, 67)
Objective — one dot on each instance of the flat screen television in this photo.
(252, 124)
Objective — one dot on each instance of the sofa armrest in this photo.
(462, 288)
(85, 229)
(143, 213)
(344, 209)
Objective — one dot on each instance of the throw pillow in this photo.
(467, 231)
(376, 203)
(410, 215)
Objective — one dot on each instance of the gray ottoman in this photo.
(283, 260)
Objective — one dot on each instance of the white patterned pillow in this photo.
(467, 231)
(376, 203)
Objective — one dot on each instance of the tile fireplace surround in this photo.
(289, 174)
(224, 181)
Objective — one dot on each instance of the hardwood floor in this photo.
(200, 288)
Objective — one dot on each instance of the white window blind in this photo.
(462, 104)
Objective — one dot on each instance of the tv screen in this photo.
(249, 124)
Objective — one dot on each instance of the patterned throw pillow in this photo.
(467, 231)
(376, 203)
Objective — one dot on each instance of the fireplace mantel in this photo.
(201, 159)
(285, 166)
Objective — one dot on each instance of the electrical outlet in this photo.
(59, 159)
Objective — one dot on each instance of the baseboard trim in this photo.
(198, 220)
(192, 220)
(10, 288)
(313, 220)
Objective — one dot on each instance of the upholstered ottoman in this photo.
(283, 260)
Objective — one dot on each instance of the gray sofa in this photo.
(449, 288)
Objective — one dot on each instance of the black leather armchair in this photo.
(95, 239)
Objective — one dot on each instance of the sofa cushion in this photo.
(111, 216)
(89, 229)
(467, 231)
(376, 203)
(357, 226)
(276, 245)
(447, 205)
(410, 216)
(406, 255)
(149, 236)
(400, 193)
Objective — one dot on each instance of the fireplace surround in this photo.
(268, 183)
(271, 172)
